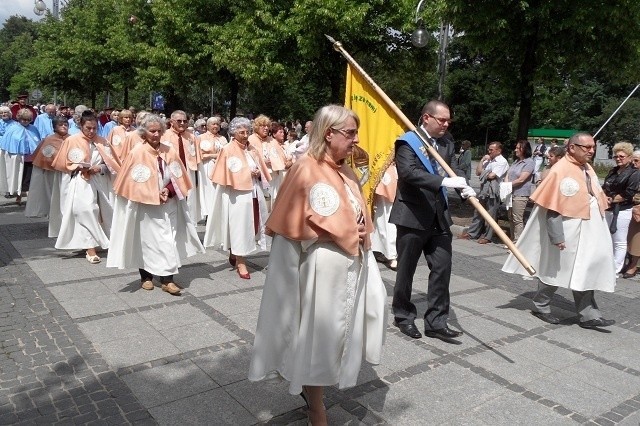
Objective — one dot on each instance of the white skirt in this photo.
(39, 201)
(231, 226)
(585, 264)
(14, 164)
(156, 238)
(383, 238)
(322, 312)
(206, 189)
(85, 215)
(59, 192)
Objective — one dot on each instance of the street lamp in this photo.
(420, 38)
(40, 7)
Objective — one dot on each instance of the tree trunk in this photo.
(527, 74)
(235, 88)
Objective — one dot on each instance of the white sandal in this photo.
(93, 259)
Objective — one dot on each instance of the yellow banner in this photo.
(379, 129)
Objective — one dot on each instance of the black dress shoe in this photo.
(598, 322)
(409, 329)
(546, 317)
(443, 333)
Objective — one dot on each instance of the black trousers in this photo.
(145, 275)
(436, 247)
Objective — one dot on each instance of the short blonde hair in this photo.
(261, 120)
(625, 147)
(327, 117)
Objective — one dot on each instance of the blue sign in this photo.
(158, 101)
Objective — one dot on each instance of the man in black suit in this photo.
(423, 223)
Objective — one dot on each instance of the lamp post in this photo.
(420, 38)
(40, 7)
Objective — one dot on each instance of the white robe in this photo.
(59, 191)
(231, 226)
(206, 188)
(383, 238)
(585, 264)
(88, 210)
(322, 312)
(14, 168)
(156, 238)
(40, 189)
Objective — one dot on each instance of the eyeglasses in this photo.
(347, 133)
(620, 156)
(586, 147)
(181, 121)
(442, 121)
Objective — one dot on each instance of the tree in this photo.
(17, 37)
(537, 42)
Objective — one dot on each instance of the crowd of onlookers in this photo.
(505, 186)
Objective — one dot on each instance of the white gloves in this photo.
(468, 192)
(454, 182)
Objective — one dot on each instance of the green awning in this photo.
(552, 133)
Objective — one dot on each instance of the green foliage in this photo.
(16, 38)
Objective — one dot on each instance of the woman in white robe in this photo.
(151, 228)
(383, 239)
(88, 208)
(236, 222)
(323, 306)
(17, 144)
(43, 175)
(211, 143)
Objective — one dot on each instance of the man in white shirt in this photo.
(303, 144)
(491, 169)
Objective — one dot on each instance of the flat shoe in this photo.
(393, 264)
(171, 288)
(147, 285)
(630, 274)
(483, 241)
(443, 333)
(548, 318)
(93, 259)
(598, 322)
(409, 329)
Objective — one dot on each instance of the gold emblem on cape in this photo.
(234, 164)
(75, 155)
(48, 151)
(140, 173)
(569, 187)
(324, 199)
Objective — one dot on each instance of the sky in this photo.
(18, 7)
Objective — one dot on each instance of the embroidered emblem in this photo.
(386, 179)
(234, 164)
(117, 140)
(324, 199)
(75, 155)
(140, 173)
(569, 187)
(48, 151)
(206, 145)
(175, 168)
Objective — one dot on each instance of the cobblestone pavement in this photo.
(82, 344)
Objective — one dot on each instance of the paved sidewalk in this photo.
(83, 344)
